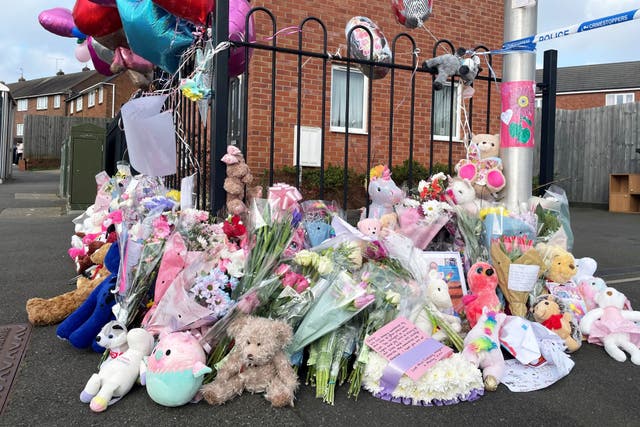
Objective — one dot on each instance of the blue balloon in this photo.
(155, 34)
(75, 32)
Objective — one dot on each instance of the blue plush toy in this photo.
(84, 324)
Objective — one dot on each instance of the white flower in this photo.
(305, 258)
(325, 266)
(422, 185)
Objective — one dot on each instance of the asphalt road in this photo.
(35, 236)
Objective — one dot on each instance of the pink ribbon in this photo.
(283, 196)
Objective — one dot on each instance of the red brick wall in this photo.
(585, 100)
(124, 88)
(463, 23)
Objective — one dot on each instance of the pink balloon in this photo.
(58, 21)
(82, 52)
(238, 11)
(101, 66)
(124, 59)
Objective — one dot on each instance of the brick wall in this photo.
(124, 89)
(585, 100)
(464, 24)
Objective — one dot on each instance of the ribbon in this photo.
(283, 196)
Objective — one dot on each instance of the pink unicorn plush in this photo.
(384, 194)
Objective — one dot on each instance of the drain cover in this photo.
(13, 343)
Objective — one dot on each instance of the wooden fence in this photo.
(44, 135)
(591, 144)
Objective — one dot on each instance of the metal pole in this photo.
(219, 113)
(548, 125)
(519, 22)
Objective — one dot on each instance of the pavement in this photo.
(35, 232)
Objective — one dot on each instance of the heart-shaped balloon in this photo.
(58, 21)
(196, 11)
(109, 3)
(238, 10)
(102, 65)
(95, 20)
(125, 59)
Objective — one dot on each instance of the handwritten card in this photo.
(522, 277)
(408, 349)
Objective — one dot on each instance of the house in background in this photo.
(591, 86)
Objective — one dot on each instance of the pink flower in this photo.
(161, 227)
(290, 279)
(249, 303)
(282, 269)
(363, 301)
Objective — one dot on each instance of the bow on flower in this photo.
(283, 196)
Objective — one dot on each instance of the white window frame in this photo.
(71, 107)
(365, 101)
(538, 102)
(23, 104)
(79, 103)
(56, 101)
(91, 99)
(100, 94)
(42, 103)
(613, 98)
(19, 129)
(457, 111)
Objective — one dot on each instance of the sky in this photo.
(29, 50)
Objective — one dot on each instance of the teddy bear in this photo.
(370, 227)
(257, 363)
(448, 65)
(116, 377)
(551, 313)
(482, 347)
(437, 293)
(82, 326)
(611, 326)
(483, 281)
(54, 310)
(238, 176)
(560, 264)
(483, 166)
(461, 193)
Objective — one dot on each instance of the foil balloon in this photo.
(155, 34)
(195, 11)
(82, 52)
(412, 13)
(94, 19)
(238, 11)
(109, 3)
(101, 61)
(125, 59)
(361, 46)
(112, 41)
(59, 21)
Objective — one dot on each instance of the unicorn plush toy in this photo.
(383, 192)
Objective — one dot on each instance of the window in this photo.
(56, 101)
(538, 102)
(23, 104)
(620, 98)
(442, 119)
(42, 103)
(20, 129)
(91, 101)
(100, 94)
(358, 95)
(71, 107)
(79, 103)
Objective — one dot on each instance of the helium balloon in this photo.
(238, 11)
(109, 3)
(82, 52)
(195, 11)
(125, 59)
(113, 40)
(155, 34)
(360, 44)
(95, 20)
(412, 13)
(101, 65)
(58, 21)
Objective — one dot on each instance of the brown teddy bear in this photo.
(483, 166)
(257, 363)
(550, 312)
(54, 310)
(238, 176)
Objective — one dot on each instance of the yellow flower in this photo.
(376, 171)
(523, 101)
(174, 194)
(305, 258)
(499, 210)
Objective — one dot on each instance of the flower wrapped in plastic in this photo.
(316, 220)
(343, 299)
(516, 252)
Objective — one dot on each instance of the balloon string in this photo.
(416, 52)
(424, 27)
(285, 31)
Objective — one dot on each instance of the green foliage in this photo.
(548, 219)
(400, 173)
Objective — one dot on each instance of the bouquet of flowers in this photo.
(508, 250)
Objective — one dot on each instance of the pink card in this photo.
(518, 113)
(407, 347)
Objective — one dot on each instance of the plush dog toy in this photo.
(482, 347)
(550, 311)
(257, 363)
(118, 375)
(483, 281)
(54, 310)
(613, 327)
(448, 65)
(82, 326)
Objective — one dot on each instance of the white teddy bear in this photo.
(611, 326)
(437, 293)
(461, 193)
